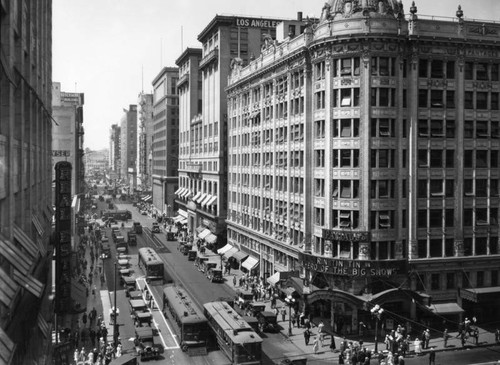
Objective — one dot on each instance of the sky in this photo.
(111, 50)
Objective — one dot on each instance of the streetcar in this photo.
(120, 215)
(235, 337)
(188, 320)
(151, 264)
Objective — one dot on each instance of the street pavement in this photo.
(281, 345)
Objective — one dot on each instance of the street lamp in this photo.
(289, 300)
(377, 313)
(115, 325)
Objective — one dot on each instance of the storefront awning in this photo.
(230, 252)
(180, 191)
(445, 308)
(250, 263)
(15, 256)
(200, 229)
(38, 224)
(183, 213)
(178, 218)
(211, 201)
(280, 276)
(183, 221)
(211, 238)
(475, 294)
(204, 233)
(148, 198)
(8, 289)
(224, 249)
(239, 255)
(30, 283)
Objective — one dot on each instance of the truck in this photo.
(137, 227)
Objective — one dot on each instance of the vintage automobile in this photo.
(186, 248)
(170, 236)
(128, 282)
(215, 275)
(105, 251)
(256, 307)
(131, 238)
(137, 227)
(243, 297)
(198, 262)
(145, 344)
(192, 255)
(267, 321)
(155, 228)
(134, 294)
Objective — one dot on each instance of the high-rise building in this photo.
(202, 189)
(165, 141)
(115, 152)
(364, 153)
(128, 148)
(96, 161)
(25, 181)
(144, 140)
(67, 134)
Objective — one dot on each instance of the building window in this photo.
(435, 281)
(319, 129)
(450, 280)
(469, 100)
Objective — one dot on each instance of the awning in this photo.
(224, 249)
(445, 308)
(49, 212)
(230, 252)
(201, 197)
(78, 297)
(186, 193)
(198, 194)
(200, 229)
(7, 289)
(205, 201)
(15, 256)
(7, 346)
(288, 291)
(204, 233)
(38, 225)
(25, 241)
(273, 279)
(178, 191)
(239, 255)
(280, 276)
(178, 218)
(211, 201)
(43, 325)
(148, 198)
(211, 238)
(473, 295)
(183, 213)
(183, 221)
(30, 283)
(250, 263)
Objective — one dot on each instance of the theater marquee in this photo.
(358, 268)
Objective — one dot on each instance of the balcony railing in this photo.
(211, 56)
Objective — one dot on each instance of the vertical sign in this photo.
(63, 236)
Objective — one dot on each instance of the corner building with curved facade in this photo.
(364, 155)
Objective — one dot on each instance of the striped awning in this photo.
(25, 241)
(7, 289)
(211, 201)
(15, 256)
(29, 283)
(7, 346)
(205, 201)
(178, 191)
(43, 325)
(48, 212)
(201, 198)
(198, 194)
(37, 224)
(148, 198)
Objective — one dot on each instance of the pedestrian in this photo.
(320, 326)
(315, 345)
(341, 359)
(92, 336)
(463, 338)
(445, 338)
(321, 337)
(401, 360)
(418, 348)
(307, 323)
(427, 338)
(307, 336)
(84, 319)
(234, 280)
(476, 335)
(76, 355)
(94, 290)
(432, 357)
(301, 319)
(283, 314)
(332, 344)
(82, 355)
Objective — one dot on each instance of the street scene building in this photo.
(115, 151)
(128, 148)
(68, 133)
(364, 154)
(26, 172)
(165, 141)
(226, 40)
(144, 140)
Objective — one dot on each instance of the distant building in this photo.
(96, 161)
(165, 147)
(364, 154)
(115, 152)
(26, 174)
(144, 140)
(67, 134)
(128, 149)
(226, 40)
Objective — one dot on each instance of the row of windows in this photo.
(439, 247)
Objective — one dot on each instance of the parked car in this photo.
(145, 344)
(215, 275)
(155, 228)
(267, 321)
(131, 238)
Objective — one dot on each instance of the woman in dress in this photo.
(418, 347)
